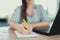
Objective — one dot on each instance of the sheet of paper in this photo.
(4, 29)
(32, 34)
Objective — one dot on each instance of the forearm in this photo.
(41, 25)
(13, 25)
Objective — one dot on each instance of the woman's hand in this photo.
(29, 26)
(21, 28)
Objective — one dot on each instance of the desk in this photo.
(10, 35)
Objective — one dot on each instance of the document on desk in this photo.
(4, 29)
(32, 34)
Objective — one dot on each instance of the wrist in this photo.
(34, 25)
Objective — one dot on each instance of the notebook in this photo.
(32, 34)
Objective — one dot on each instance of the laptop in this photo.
(54, 28)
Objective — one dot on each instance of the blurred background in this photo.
(7, 7)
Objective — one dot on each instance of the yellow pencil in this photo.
(25, 22)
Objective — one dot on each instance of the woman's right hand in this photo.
(20, 28)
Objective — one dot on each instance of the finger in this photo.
(19, 29)
(26, 27)
(24, 30)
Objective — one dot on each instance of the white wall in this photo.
(7, 6)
